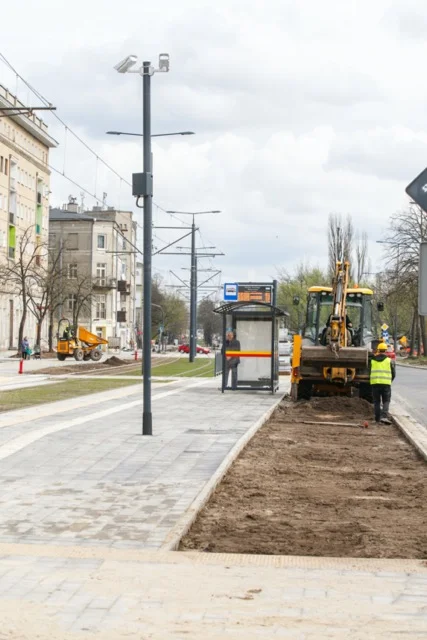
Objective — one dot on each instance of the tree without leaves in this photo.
(22, 274)
(44, 296)
(361, 254)
(407, 230)
(81, 290)
(340, 240)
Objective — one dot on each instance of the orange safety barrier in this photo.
(248, 354)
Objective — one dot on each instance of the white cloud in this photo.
(300, 109)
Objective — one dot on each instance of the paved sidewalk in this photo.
(86, 502)
(96, 481)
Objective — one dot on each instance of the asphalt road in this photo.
(411, 385)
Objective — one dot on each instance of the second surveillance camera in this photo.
(164, 62)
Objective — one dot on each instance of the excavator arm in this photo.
(338, 326)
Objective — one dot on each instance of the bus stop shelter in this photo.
(256, 327)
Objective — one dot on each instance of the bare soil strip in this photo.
(111, 365)
(320, 489)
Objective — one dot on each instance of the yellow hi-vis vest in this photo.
(381, 372)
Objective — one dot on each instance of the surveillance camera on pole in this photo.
(125, 65)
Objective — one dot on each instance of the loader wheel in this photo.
(78, 354)
(61, 356)
(365, 392)
(96, 355)
(304, 390)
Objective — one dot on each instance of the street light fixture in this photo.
(153, 135)
(143, 187)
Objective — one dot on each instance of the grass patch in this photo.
(421, 361)
(32, 396)
(201, 367)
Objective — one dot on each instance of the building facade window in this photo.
(101, 307)
(101, 272)
(6, 166)
(71, 303)
(72, 271)
(73, 241)
(101, 241)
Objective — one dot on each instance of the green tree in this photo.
(210, 322)
(292, 291)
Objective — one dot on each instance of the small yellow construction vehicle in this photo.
(331, 357)
(81, 344)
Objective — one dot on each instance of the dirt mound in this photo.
(319, 489)
(325, 410)
(114, 361)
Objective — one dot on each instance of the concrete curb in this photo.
(173, 538)
(413, 431)
(411, 366)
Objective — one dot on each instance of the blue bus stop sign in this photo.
(231, 291)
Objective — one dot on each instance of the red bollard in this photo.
(136, 354)
(21, 366)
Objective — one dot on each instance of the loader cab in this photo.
(359, 312)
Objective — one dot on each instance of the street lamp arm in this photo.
(153, 135)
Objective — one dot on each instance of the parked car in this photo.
(185, 348)
(390, 352)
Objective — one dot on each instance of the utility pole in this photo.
(193, 280)
(142, 185)
(193, 294)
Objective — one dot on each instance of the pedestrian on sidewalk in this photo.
(382, 373)
(231, 362)
(25, 347)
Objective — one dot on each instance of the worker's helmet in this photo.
(382, 346)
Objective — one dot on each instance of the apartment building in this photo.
(99, 269)
(24, 202)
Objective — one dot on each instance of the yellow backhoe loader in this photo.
(331, 357)
(81, 344)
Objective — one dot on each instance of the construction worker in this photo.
(382, 373)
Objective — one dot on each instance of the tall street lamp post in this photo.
(143, 186)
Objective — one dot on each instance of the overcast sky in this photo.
(300, 109)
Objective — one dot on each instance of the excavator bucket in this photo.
(89, 338)
(345, 357)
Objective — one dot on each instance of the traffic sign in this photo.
(417, 190)
(384, 327)
(231, 291)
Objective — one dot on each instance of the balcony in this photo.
(12, 205)
(123, 287)
(104, 283)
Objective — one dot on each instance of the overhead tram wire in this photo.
(70, 131)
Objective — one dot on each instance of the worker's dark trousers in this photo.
(233, 369)
(381, 393)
